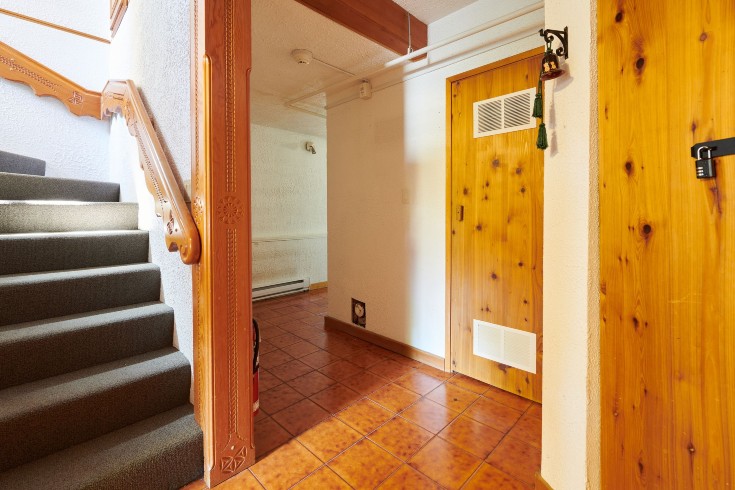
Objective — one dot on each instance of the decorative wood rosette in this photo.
(223, 337)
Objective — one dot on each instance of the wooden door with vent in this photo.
(495, 233)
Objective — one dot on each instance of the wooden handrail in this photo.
(121, 96)
(18, 67)
(118, 96)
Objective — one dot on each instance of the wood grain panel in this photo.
(496, 248)
(382, 21)
(667, 252)
(222, 281)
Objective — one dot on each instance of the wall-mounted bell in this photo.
(550, 66)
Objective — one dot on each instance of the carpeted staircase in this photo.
(92, 393)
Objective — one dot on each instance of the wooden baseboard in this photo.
(432, 360)
(542, 484)
(318, 285)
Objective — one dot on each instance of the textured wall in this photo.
(74, 147)
(387, 194)
(289, 200)
(571, 391)
(152, 49)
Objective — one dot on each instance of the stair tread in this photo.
(40, 349)
(18, 216)
(44, 394)
(163, 451)
(52, 414)
(53, 251)
(70, 234)
(55, 326)
(71, 274)
(26, 187)
(21, 164)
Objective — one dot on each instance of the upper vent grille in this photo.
(510, 112)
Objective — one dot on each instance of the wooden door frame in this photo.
(448, 227)
(222, 280)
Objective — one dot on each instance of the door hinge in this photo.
(460, 213)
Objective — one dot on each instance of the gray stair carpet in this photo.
(92, 393)
(162, 452)
(41, 295)
(45, 216)
(32, 187)
(43, 252)
(19, 164)
(42, 349)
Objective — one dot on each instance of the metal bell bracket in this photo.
(563, 36)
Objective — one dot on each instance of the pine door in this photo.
(496, 227)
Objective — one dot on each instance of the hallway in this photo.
(339, 412)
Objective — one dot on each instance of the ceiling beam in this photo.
(382, 21)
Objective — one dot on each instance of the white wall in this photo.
(289, 203)
(386, 208)
(42, 127)
(152, 49)
(386, 175)
(571, 391)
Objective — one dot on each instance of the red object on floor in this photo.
(256, 367)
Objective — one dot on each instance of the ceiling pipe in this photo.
(415, 54)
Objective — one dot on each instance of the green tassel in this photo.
(542, 142)
(538, 105)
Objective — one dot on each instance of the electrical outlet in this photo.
(359, 314)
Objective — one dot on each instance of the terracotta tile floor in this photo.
(339, 412)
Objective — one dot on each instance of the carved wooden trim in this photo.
(18, 67)
(117, 12)
(58, 27)
(122, 96)
(222, 281)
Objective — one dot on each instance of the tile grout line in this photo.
(283, 303)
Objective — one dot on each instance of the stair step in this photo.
(42, 252)
(20, 187)
(37, 350)
(45, 216)
(162, 452)
(31, 297)
(19, 164)
(40, 418)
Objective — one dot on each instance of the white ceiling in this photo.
(280, 26)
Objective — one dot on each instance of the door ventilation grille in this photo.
(509, 346)
(510, 112)
(280, 288)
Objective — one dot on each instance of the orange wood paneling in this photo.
(221, 61)
(667, 245)
(496, 246)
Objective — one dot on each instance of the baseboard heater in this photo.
(280, 288)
